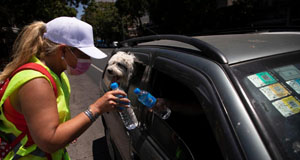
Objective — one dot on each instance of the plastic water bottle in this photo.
(127, 114)
(149, 101)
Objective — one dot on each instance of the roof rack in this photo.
(204, 47)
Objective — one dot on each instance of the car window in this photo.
(138, 79)
(273, 89)
(187, 128)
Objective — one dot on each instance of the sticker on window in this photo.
(295, 84)
(288, 72)
(287, 106)
(274, 91)
(261, 79)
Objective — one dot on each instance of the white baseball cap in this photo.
(75, 33)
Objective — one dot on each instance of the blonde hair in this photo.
(30, 42)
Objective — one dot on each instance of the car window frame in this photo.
(155, 62)
(203, 68)
(152, 117)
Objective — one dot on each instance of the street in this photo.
(91, 145)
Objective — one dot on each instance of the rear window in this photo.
(273, 89)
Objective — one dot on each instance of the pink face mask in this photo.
(81, 67)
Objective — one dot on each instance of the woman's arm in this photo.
(37, 103)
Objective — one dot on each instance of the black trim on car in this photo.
(204, 47)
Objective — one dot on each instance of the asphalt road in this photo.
(91, 144)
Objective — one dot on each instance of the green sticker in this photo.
(266, 78)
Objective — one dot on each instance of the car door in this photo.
(187, 133)
(179, 135)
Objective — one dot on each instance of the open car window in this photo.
(187, 127)
(273, 89)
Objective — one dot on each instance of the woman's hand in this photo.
(109, 101)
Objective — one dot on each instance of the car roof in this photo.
(243, 47)
(233, 48)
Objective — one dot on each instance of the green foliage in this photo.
(169, 16)
(106, 21)
(208, 16)
(18, 13)
(133, 10)
(180, 16)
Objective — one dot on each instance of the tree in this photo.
(133, 10)
(106, 22)
(168, 16)
(15, 14)
(180, 16)
(19, 13)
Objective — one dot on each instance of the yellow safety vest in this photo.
(9, 129)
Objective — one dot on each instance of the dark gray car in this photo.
(237, 97)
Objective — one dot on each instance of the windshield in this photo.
(273, 89)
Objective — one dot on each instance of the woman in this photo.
(64, 43)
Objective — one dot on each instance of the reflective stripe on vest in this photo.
(63, 88)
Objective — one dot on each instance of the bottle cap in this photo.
(137, 91)
(114, 85)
